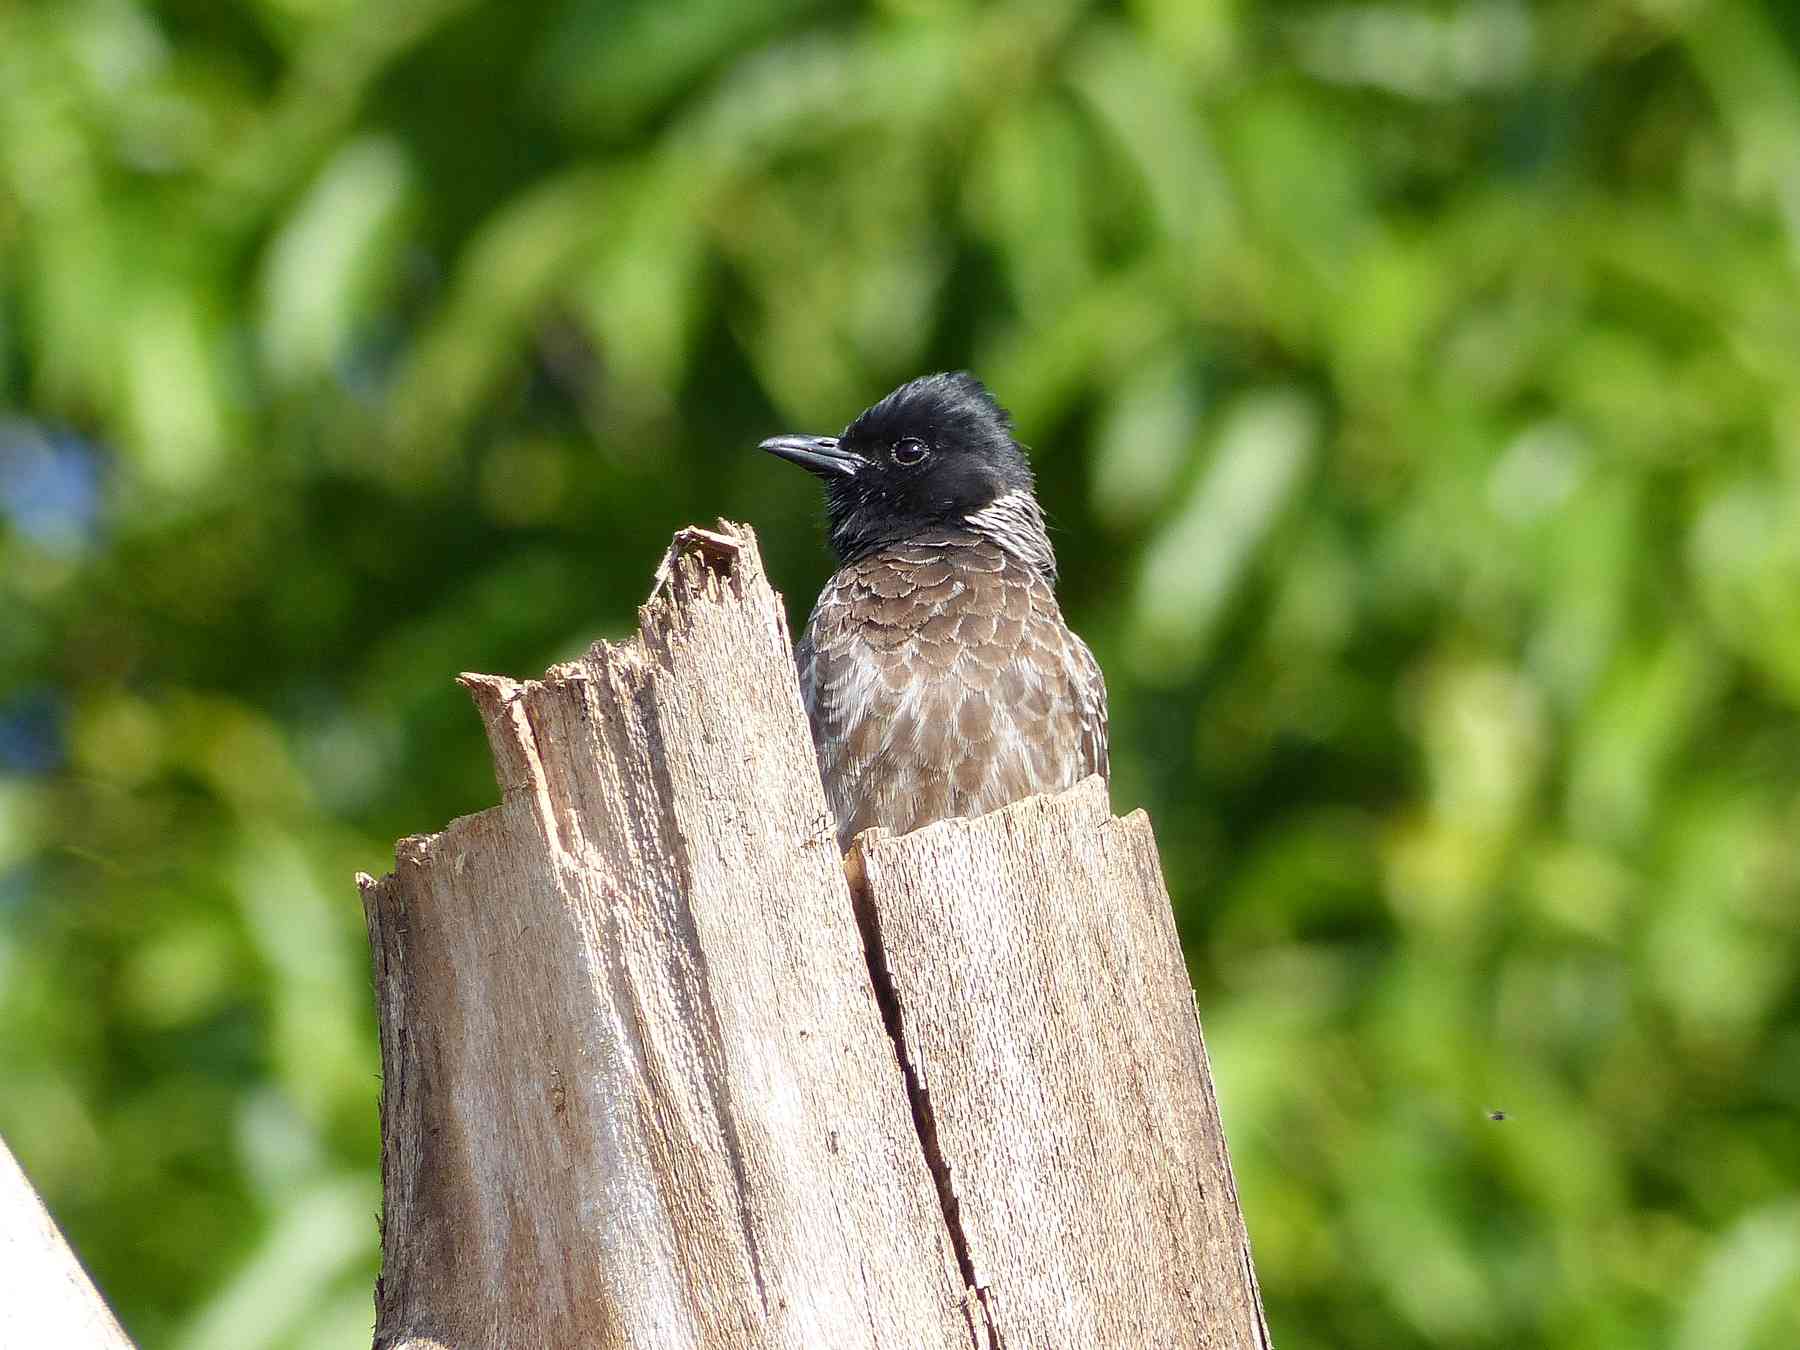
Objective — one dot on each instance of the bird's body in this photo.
(938, 675)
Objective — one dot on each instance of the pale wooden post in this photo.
(46, 1297)
(655, 1073)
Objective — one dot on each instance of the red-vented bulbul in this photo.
(937, 671)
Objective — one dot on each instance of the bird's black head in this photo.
(937, 453)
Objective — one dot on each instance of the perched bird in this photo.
(937, 671)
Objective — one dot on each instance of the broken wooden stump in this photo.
(654, 1076)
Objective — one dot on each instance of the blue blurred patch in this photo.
(31, 733)
(49, 485)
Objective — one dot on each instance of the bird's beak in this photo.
(817, 454)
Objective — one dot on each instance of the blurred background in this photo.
(1415, 388)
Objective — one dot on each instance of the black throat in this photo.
(1013, 522)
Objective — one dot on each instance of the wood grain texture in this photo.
(636, 1088)
(46, 1298)
(1035, 982)
(654, 1076)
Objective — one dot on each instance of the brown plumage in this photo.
(941, 681)
(937, 671)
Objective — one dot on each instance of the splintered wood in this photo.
(644, 1086)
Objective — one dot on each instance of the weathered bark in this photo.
(643, 1085)
(46, 1297)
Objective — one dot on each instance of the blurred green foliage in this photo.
(1417, 389)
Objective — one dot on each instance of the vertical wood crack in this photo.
(887, 996)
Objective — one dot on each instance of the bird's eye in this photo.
(910, 451)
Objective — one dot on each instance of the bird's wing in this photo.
(945, 685)
(1090, 699)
